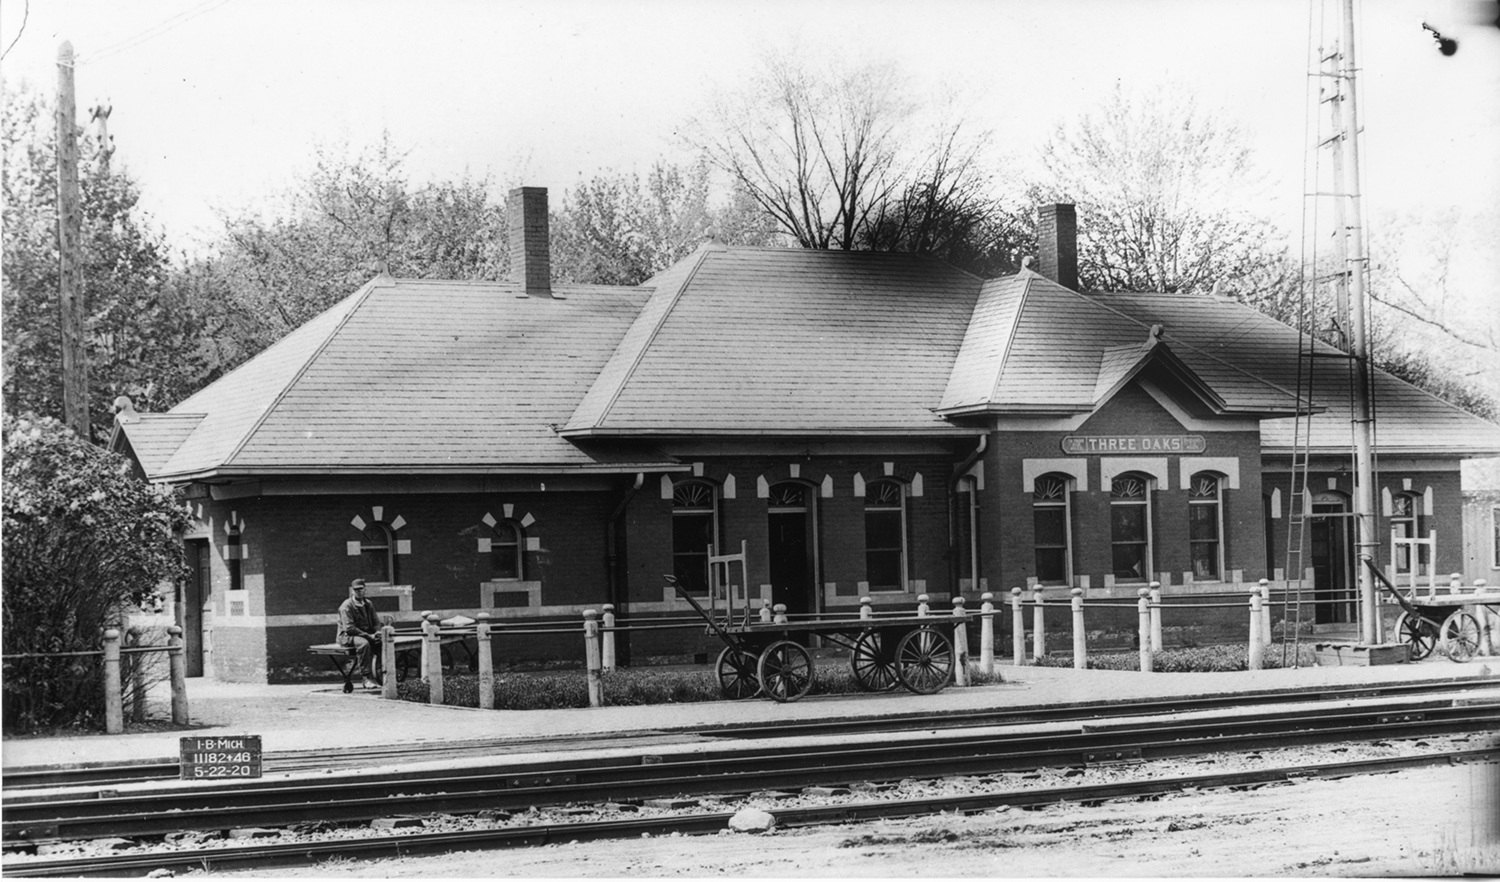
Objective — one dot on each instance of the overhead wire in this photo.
(155, 30)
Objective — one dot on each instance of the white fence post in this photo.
(388, 660)
(1257, 648)
(486, 662)
(987, 633)
(1265, 612)
(923, 610)
(1156, 617)
(1143, 610)
(177, 665)
(1080, 642)
(114, 705)
(1038, 624)
(434, 644)
(1018, 628)
(865, 612)
(960, 643)
(779, 614)
(591, 656)
(608, 638)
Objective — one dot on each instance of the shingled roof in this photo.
(779, 341)
(1408, 420)
(1034, 346)
(407, 376)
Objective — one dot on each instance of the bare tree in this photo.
(821, 152)
(1159, 185)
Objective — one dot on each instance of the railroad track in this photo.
(703, 822)
(17, 781)
(687, 769)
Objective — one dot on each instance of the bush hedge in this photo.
(623, 686)
(1196, 659)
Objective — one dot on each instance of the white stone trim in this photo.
(1155, 466)
(1031, 469)
(487, 591)
(1228, 466)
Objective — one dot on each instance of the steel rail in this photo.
(630, 778)
(20, 779)
(398, 845)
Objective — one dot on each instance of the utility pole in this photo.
(75, 364)
(100, 114)
(1366, 544)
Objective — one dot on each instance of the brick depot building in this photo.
(862, 424)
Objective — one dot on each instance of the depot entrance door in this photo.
(1332, 558)
(792, 547)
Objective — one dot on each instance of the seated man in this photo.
(359, 628)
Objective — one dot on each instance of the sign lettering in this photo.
(220, 756)
(1084, 445)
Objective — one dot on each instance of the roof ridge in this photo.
(1027, 276)
(1099, 301)
(384, 280)
(702, 255)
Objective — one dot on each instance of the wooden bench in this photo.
(408, 654)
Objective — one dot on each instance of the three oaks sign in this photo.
(1084, 445)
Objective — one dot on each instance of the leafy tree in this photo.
(85, 541)
(139, 326)
(343, 222)
(612, 230)
(1158, 183)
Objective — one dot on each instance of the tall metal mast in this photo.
(1363, 422)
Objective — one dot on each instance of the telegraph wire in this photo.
(25, 16)
(156, 30)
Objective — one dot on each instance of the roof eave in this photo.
(212, 474)
(875, 431)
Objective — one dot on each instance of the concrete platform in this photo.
(320, 717)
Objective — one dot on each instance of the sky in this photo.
(219, 104)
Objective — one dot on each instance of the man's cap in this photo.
(357, 583)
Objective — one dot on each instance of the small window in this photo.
(505, 551)
(377, 555)
(1495, 528)
(1052, 530)
(885, 536)
(1206, 527)
(1130, 527)
(234, 554)
(693, 512)
(1406, 524)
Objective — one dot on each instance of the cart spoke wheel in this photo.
(874, 663)
(786, 670)
(736, 670)
(924, 660)
(1418, 634)
(1461, 636)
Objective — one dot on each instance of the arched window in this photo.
(1052, 540)
(377, 555)
(505, 551)
(1130, 527)
(693, 530)
(1206, 526)
(885, 535)
(1406, 523)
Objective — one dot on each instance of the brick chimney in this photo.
(1057, 244)
(530, 262)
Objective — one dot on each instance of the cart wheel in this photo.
(924, 660)
(1461, 636)
(785, 670)
(1418, 634)
(736, 670)
(873, 662)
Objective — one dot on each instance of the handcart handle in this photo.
(1395, 592)
(681, 592)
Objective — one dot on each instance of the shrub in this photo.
(623, 686)
(84, 541)
(1195, 659)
